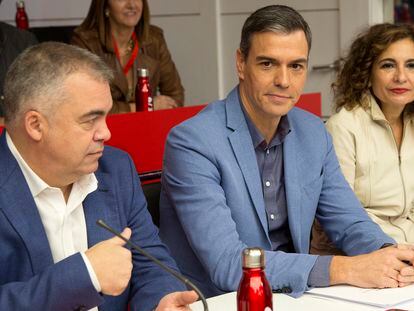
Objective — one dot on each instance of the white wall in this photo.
(43, 13)
(203, 35)
(190, 30)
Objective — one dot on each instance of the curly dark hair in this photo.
(353, 81)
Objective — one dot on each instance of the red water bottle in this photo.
(254, 293)
(143, 97)
(22, 22)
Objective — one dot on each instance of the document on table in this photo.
(385, 298)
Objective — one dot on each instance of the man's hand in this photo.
(164, 102)
(406, 276)
(177, 301)
(387, 267)
(112, 264)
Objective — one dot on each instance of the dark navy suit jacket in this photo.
(29, 280)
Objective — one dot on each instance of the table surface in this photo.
(281, 302)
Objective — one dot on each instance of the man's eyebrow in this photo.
(93, 113)
(274, 60)
(299, 61)
(266, 58)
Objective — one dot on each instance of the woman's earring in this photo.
(107, 13)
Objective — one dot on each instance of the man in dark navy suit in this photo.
(57, 180)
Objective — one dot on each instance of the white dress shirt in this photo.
(64, 222)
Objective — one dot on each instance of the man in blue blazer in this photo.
(252, 170)
(57, 180)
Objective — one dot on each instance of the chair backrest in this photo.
(152, 193)
(311, 102)
(143, 134)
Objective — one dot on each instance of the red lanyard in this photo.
(133, 54)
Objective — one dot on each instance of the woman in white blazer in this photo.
(373, 129)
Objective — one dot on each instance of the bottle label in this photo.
(150, 104)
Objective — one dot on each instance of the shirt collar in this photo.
(86, 183)
(378, 115)
(282, 131)
(375, 110)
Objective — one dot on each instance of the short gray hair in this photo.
(36, 78)
(274, 18)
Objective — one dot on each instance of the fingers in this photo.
(389, 283)
(405, 256)
(406, 276)
(405, 246)
(117, 241)
(406, 270)
(112, 264)
(186, 298)
(164, 102)
(177, 301)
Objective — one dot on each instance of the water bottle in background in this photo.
(143, 97)
(22, 22)
(254, 293)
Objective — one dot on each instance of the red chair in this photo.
(311, 102)
(143, 135)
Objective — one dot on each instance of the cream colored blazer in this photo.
(381, 176)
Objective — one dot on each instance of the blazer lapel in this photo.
(243, 149)
(101, 204)
(292, 188)
(17, 204)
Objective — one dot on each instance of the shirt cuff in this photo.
(91, 272)
(319, 275)
(386, 245)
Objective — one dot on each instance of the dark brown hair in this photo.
(353, 81)
(274, 18)
(97, 20)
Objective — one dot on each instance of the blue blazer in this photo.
(212, 204)
(28, 278)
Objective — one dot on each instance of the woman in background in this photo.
(373, 129)
(119, 31)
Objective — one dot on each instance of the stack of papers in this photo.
(382, 298)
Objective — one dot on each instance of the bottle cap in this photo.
(143, 72)
(20, 4)
(253, 257)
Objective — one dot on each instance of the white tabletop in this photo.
(281, 302)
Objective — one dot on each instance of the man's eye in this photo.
(266, 64)
(89, 123)
(297, 66)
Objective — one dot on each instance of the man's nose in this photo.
(103, 133)
(282, 78)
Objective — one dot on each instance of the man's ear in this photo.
(35, 124)
(240, 64)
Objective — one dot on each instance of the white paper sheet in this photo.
(383, 298)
